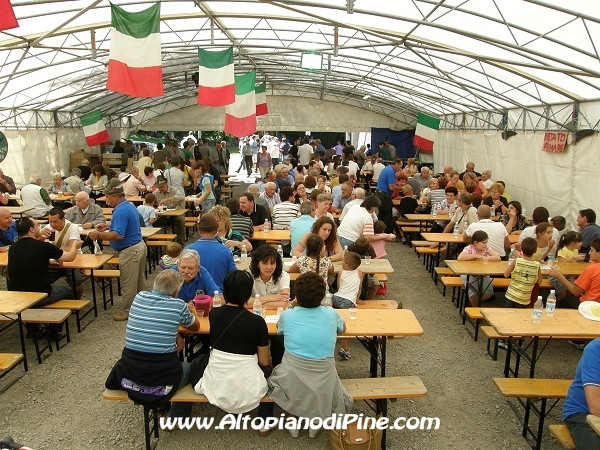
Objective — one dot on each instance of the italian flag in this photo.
(427, 128)
(7, 16)
(134, 66)
(216, 83)
(261, 99)
(94, 129)
(240, 118)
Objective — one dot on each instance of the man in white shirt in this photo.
(133, 185)
(63, 234)
(357, 198)
(144, 161)
(377, 168)
(497, 235)
(305, 152)
(270, 195)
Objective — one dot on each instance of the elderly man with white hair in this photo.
(358, 195)
(423, 178)
(270, 195)
(85, 213)
(35, 198)
(486, 178)
(75, 182)
(195, 277)
(254, 189)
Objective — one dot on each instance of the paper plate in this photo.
(587, 309)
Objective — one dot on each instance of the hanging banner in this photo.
(3, 147)
(555, 141)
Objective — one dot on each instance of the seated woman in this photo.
(313, 261)
(235, 377)
(149, 179)
(271, 283)
(195, 277)
(496, 200)
(306, 383)
(301, 194)
(327, 230)
(58, 185)
(232, 239)
(514, 220)
(479, 187)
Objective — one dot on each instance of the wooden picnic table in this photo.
(146, 232)
(511, 322)
(272, 235)
(496, 268)
(13, 303)
(81, 262)
(17, 211)
(373, 324)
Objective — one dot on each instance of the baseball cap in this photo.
(161, 181)
(208, 222)
(114, 186)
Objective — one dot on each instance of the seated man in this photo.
(152, 340)
(63, 234)
(583, 398)
(217, 258)
(75, 182)
(8, 230)
(195, 277)
(85, 214)
(170, 197)
(257, 213)
(35, 197)
(31, 256)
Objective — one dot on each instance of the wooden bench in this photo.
(533, 390)
(475, 316)
(75, 306)
(163, 237)
(8, 361)
(431, 258)
(563, 436)
(457, 287)
(154, 252)
(190, 222)
(442, 272)
(100, 277)
(381, 277)
(376, 389)
(502, 283)
(47, 317)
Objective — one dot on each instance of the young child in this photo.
(379, 246)
(313, 259)
(147, 210)
(525, 273)
(568, 251)
(172, 256)
(363, 247)
(478, 250)
(349, 288)
(543, 238)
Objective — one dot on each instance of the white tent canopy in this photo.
(442, 57)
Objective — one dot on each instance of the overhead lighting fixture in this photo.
(349, 6)
(311, 61)
(366, 97)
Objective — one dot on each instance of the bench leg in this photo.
(150, 427)
(78, 319)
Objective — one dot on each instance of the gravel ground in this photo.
(58, 404)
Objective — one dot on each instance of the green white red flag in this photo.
(7, 16)
(261, 99)
(94, 129)
(134, 66)
(427, 128)
(240, 118)
(216, 83)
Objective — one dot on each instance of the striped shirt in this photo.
(243, 224)
(523, 278)
(436, 196)
(154, 319)
(283, 214)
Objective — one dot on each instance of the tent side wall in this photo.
(562, 182)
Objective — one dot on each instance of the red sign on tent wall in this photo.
(555, 141)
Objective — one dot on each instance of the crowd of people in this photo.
(330, 217)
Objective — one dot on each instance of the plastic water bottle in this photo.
(345, 249)
(434, 211)
(455, 232)
(266, 226)
(511, 256)
(280, 251)
(551, 303)
(257, 305)
(244, 254)
(327, 300)
(216, 300)
(536, 315)
(493, 211)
